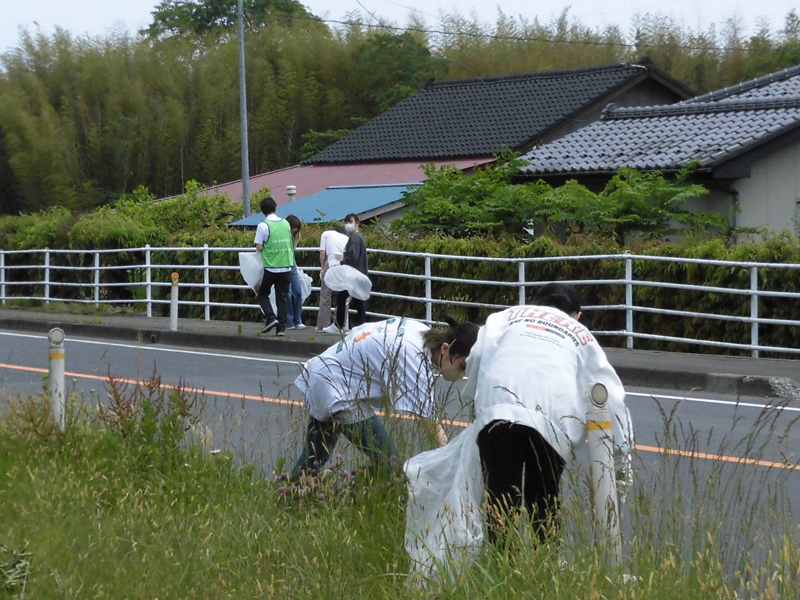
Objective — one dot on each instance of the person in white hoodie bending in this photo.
(528, 375)
(392, 364)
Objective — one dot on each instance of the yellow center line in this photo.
(720, 457)
(284, 402)
(166, 386)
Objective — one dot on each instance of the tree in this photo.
(453, 203)
(788, 50)
(632, 204)
(314, 142)
(791, 27)
(486, 203)
(392, 67)
(184, 17)
(9, 190)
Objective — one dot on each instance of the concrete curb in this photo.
(300, 349)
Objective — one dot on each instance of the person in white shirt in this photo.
(331, 252)
(528, 376)
(391, 363)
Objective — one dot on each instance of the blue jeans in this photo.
(369, 436)
(294, 307)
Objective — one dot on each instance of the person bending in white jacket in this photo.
(393, 362)
(528, 376)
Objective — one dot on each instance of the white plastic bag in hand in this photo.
(305, 284)
(252, 269)
(346, 278)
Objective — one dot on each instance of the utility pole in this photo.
(243, 117)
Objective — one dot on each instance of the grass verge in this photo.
(122, 506)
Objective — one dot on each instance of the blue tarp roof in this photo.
(334, 203)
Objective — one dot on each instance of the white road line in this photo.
(715, 401)
(158, 349)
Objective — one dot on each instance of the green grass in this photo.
(113, 510)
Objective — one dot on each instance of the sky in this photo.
(101, 17)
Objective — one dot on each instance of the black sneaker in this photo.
(270, 325)
(281, 333)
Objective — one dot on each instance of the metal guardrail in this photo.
(93, 278)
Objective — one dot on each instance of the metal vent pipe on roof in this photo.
(291, 191)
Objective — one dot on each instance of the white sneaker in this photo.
(333, 328)
(299, 326)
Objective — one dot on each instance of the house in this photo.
(466, 123)
(744, 141)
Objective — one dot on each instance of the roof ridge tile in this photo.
(532, 75)
(745, 86)
(613, 113)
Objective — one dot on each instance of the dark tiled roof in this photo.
(784, 83)
(481, 117)
(667, 138)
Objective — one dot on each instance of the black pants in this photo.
(281, 281)
(520, 470)
(341, 309)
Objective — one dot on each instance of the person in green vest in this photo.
(274, 241)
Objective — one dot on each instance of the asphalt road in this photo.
(736, 449)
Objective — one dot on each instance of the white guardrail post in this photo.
(148, 281)
(96, 278)
(754, 310)
(206, 283)
(628, 301)
(428, 303)
(56, 376)
(521, 280)
(173, 304)
(47, 276)
(3, 276)
(602, 474)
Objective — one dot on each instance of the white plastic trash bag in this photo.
(444, 510)
(346, 278)
(252, 269)
(305, 283)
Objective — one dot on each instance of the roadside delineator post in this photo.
(173, 304)
(56, 376)
(602, 475)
